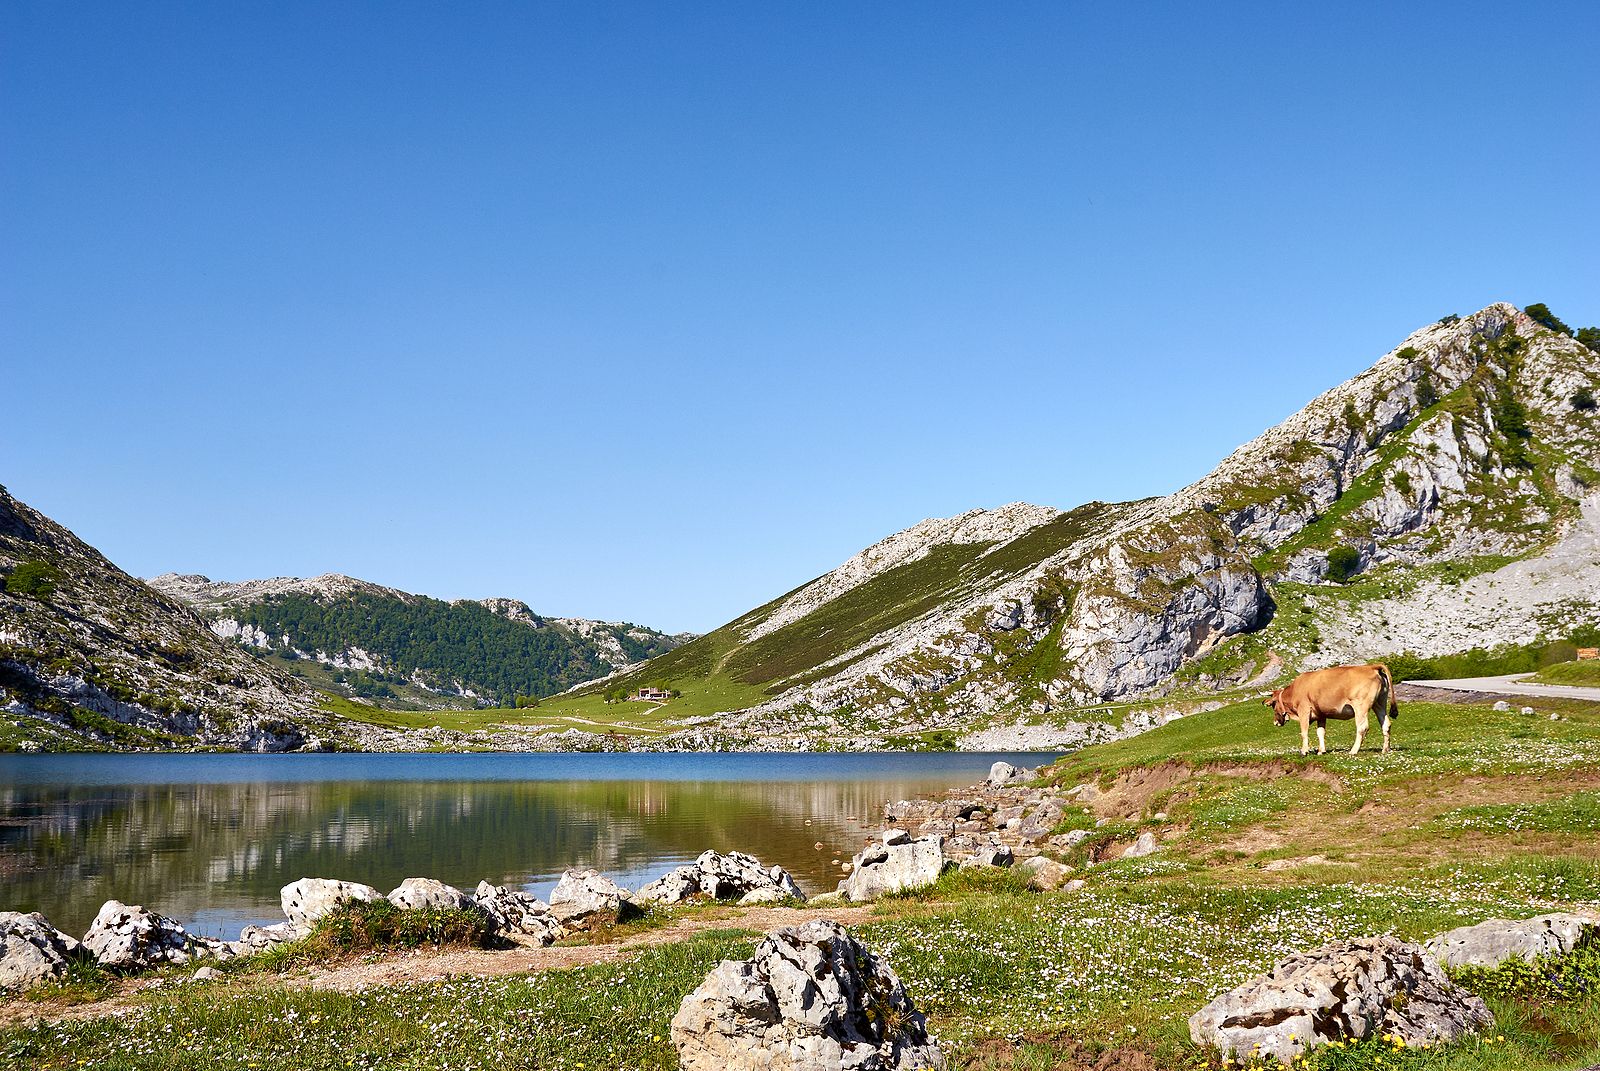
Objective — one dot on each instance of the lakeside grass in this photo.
(590, 713)
(1478, 814)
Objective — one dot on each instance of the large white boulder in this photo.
(1347, 989)
(1491, 943)
(418, 894)
(886, 868)
(812, 998)
(1003, 773)
(307, 900)
(585, 898)
(32, 951)
(721, 877)
(130, 937)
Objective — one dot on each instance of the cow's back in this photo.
(1331, 691)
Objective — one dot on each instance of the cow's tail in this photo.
(1386, 692)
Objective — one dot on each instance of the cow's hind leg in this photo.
(1322, 736)
(1386, 722)
(1361, 731)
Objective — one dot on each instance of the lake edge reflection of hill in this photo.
(210, 840)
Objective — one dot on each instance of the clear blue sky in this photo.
(655, 311)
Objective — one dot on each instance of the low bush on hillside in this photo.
(33, 580)
(1540, 313)
(1343, 563)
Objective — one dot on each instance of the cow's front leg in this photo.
(1305, 738)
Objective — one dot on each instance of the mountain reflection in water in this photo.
(210, 839)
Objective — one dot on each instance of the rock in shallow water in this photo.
(812, 998)
(32, 951)
(1347, 989)
(1003, 773)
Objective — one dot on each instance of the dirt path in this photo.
(400, 968)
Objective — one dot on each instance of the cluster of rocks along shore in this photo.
(130, 938)
(1005, 821)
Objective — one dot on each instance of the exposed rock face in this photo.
(1348, 989)
(101, 642)
(812, 998)
(585, 898)
(126, 937)
(32, 951)
(886, 868)
(991, 852)
(1491, 943)
(1143, 846)
(518, 917)
(307, 900)
(721, 877)
(416, 894)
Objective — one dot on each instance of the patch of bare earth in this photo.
(1397, 820)
(1135, 792)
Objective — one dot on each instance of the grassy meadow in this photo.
(1476, 814)
(590, 713)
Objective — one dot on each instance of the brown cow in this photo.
(1340, 692)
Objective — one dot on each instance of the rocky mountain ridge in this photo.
(88, 652)
(1456, 452)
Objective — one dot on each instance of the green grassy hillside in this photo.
(822, 641)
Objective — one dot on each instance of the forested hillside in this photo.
(399, 649)
(437, 642)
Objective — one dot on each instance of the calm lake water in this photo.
(210, 839)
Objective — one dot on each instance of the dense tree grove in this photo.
(466, 642)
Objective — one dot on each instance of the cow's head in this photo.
(1274, 699)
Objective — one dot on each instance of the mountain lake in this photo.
(210, 839)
